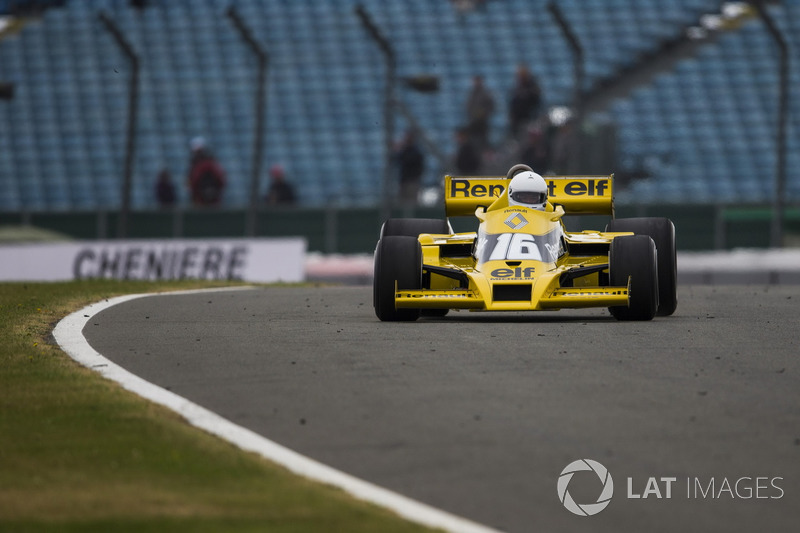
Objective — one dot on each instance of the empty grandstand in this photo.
(701, 131)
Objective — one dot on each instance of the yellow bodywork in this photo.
(520, 259)
(586, 195)
(545, 289)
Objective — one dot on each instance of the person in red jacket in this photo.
(206, 180)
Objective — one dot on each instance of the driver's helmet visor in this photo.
(529, 197)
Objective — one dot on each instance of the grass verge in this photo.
(78, 453)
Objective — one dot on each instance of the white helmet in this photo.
(528, 189)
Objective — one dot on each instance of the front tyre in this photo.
(634, 257)
(413, 227)
(398, 264)
(662, 231)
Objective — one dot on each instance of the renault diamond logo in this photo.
(516, 221)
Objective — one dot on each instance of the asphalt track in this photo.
(478, 413)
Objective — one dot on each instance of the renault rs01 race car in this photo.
(522, 258)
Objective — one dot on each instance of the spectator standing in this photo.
(206, 179)
(525, 102)
(480, 108)
(464, 6)
(410, 166)
(468, 157)
(165, 189)
(565, 148)
(280, 191)
(534, 150)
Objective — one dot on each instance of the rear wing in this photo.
(578, 195)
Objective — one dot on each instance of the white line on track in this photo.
(69, 335)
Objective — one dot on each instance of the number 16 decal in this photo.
(515, 247)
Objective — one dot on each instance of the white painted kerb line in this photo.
(69, 335)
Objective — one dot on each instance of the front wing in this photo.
(544, 293)
(568, 298)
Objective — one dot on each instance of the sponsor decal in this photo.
(590, 187)
(516, 221)
(418, 295)
(464, 188)
(148, 263)
(589, 292)
(257, 260)
(518, 272)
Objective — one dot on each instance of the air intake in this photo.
(512, 293)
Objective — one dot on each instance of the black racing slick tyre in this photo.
(516, 169)
(398, 263)
(634, 257)
(662, 231)
(413, 227)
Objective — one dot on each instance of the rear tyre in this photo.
(634, 257)
(662, 231)
(516, 169)
(413, 227)
(398, 263)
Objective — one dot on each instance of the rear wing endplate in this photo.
(578, 195)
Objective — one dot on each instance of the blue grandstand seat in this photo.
(326, 82)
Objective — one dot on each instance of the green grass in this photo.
(78, 453)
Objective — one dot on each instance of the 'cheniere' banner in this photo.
(256, 260)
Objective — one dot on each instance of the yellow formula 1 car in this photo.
(522, 258)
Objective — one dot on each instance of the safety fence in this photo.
(356, 230)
